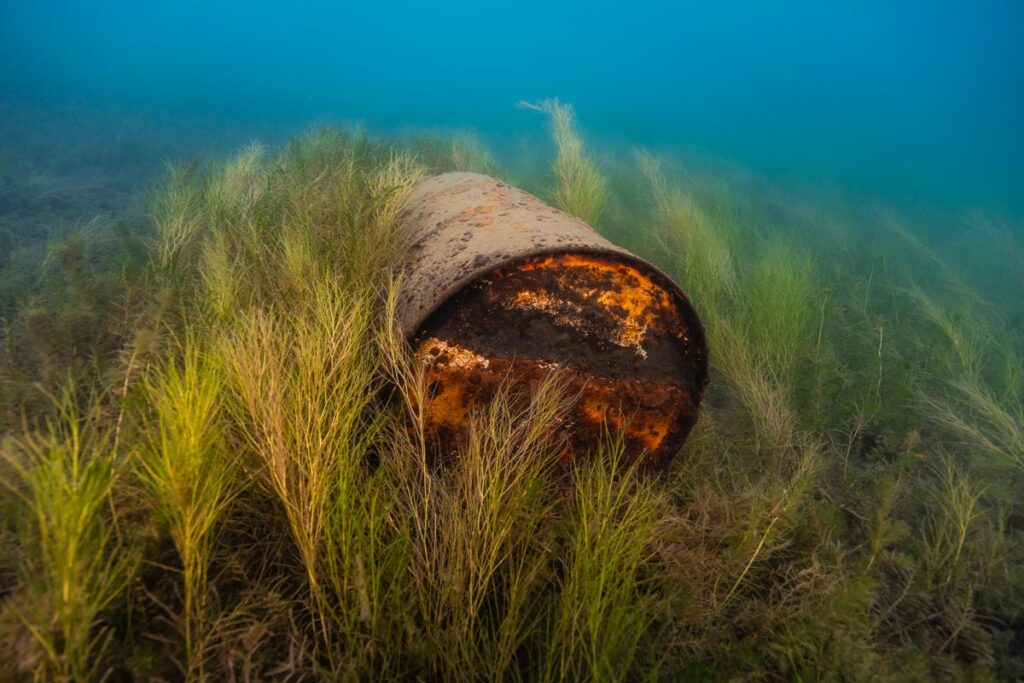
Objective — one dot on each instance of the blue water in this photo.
(916, 100)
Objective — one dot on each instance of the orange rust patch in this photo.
(633, 298)
(449, 369)
(473, 211)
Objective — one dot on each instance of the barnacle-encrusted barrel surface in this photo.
(502, 288)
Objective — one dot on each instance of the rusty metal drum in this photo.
(500, 288)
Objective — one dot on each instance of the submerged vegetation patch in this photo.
(201, 483)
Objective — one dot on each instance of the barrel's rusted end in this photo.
(622, 335)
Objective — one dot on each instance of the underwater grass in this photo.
(188, 475)
(580, 188)
(72, 565)
(480, 535)
(604, 608)
(847, 507)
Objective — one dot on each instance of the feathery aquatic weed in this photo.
(303, 382)
(603, 609)
(580, 188)
(479, 528)
(188, 472)
(73, 565)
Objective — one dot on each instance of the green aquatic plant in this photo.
(757, 318)
(459, 152)
(605, 607)
(302, 383)
(480, 531)
(189, 476)
(580, 188)
(73, 565)
(780, 295)
(979, 397)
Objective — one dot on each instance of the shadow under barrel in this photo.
(500, 288)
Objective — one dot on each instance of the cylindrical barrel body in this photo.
(502, 288)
